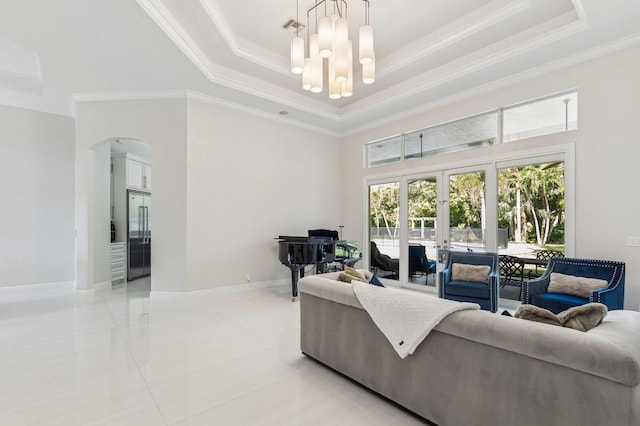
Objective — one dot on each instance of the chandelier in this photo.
(330, 41)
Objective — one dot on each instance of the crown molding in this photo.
(227, 77)
(512, 47)
(239, 47)
(165, 20)
(594, 53)
(60, 105)
(21, 82)
(465, 27)
(194, 96)
(212, 100)
(491, 14)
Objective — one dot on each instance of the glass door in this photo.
(468, 221)
(384, 229)
(422, 230)
(531, 219)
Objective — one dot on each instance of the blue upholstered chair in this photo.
(484, 294)
(535, 292)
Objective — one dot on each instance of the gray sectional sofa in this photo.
(479, 368)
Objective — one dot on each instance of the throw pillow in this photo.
(576, 286)
(357, 275)
(475, 273)
(583, 317)
(537, 314)
(376, 281)
(344, 277)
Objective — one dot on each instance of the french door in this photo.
(414, 221)
(469, 220)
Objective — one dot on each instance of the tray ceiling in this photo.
(238, 53)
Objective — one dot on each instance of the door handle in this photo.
(146, 226)
(141, 222)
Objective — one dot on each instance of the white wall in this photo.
(102, 212)
(161, 124)
(251, 179)
(37, 187)
(223, 188)
(607, 151)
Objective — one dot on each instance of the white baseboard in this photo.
(230, 289)
(30, 286)
(104, 285)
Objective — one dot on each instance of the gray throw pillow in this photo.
(576, 286)
(475, 273)
(537, 314)
(583, 317)
(355, 274)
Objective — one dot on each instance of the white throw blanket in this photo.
(405, 318)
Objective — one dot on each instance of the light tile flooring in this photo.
(119, 356)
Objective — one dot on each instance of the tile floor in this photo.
(119, 356)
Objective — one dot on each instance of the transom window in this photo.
(544, 116)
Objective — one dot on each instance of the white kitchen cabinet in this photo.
(138, 173)
(118, 261)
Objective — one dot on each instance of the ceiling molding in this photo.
(165, 20)
(196, 96)
(227, 77)
(467, 26)
(495, 54)
(259, 88)
(594, 53)
(20, 68)
(128, 96)
(58, 105)
(212, 100)
(235, 46)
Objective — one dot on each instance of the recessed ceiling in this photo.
(238, 52)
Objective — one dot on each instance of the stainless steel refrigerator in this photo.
(138, 234)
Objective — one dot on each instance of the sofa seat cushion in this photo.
(557, 302)
(467, 288)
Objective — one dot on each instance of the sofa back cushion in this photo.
(474, 273)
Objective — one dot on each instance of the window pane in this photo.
(467, 211)
(384, 207)
(531, 221)
(553, 115)
(384, 151)
(422, 209)
(470, 132)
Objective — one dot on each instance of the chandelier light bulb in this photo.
(369, 71)
(366, 45)
(341, 32)
(316, 74)
(306, 75)
(347, 86)
(325, 36)
(313, 45)
(297, 55)
(335, 88)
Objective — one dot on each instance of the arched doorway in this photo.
(109, 250)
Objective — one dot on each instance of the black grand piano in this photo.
(299, 252)
(319, 249)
